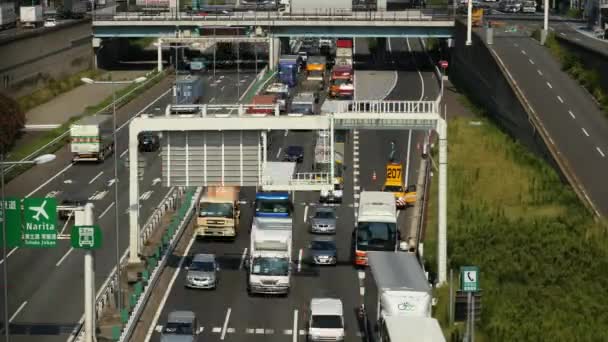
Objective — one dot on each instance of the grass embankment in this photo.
(542, 256)
(122, 98)
(588, 78)
(54, 88)
(257, 86)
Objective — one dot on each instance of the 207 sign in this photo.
(393, 172)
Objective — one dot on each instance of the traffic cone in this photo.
(374, 175)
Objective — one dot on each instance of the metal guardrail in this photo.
(222, 111)
(141, 302)
(430, 13)
(67, 132)
(377, 106)
(109, 287)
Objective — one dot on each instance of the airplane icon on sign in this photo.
(39, 211)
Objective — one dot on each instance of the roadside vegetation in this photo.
(543, 258)
(54, 88)
(51, 138)
(12, 120)
(588, 78)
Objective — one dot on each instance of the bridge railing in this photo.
(223, 110)
(391, 107)
(431, 13)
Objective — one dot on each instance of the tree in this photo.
(12, 121)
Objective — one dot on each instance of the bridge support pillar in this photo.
(381, 49)
(160, 55)
(285, 48)
(442, 248)
(273, 53)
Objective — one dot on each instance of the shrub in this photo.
(12, 120)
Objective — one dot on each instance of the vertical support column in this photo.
(264, 147)
(160, 54)
(86, 218)
(273, 52)
(442, 244)
(284, 44)
(545, 31)
(332, 155)
(134, 196)
(469, 22)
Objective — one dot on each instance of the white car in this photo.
(326, 321)
(50, 22)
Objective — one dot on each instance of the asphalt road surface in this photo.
(46, 285)
(228, 313)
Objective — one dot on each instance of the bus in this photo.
(376, 225)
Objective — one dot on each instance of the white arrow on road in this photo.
(111, 181)
(67, 181)
(145, 195)
(98, 195)
(156, 181)
(53, 194)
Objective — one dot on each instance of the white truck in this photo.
(326, 320)
(31, 16)
(91, 138)
(269, 265)
(8, 17)
(397, 329)
(395, 286)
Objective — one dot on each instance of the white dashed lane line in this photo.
(523, 51)
(585, 131)
(600, 152)
(571, 114)
(531, 61)
(539, 72)
(560, 99)
(549, 85)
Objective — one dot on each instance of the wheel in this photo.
(102, 156)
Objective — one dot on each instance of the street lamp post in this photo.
(115, 148)
(45, 158)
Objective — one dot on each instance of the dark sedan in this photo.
(294, 154)
(323, 251)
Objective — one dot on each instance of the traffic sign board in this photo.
(12, 206)
(443, 64)
(40, 222)
(469, 278)
(86, 237)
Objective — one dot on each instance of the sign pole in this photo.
(4, 247)
(86, 218)
(472, 318)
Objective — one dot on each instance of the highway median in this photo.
(540, 250)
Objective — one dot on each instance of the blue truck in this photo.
(288, 69)
(188, 90)
(273, 204)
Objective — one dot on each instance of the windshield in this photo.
(202, 266)
(216, 210)
(267, 206)
(178, 328)
(341, 81)
(322, 245)
(303, 108)
(322, 214)
(270, 266)
(326, 322)
(315, 73)
(376, 236)
(393, 188)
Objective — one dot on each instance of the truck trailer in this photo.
(188, 89)
(31, 16)
(91, 138)
(420, 329)
(288, 70)
(218, 213)
(269, 263)
(8, 17)
(395, 286)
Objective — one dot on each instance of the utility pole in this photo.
(86, 218)
(545, 31)
(470, 22)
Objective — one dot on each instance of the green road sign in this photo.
(469, 278)
(12, 207)
(40, 222)
(86, 237)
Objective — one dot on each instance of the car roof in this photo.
(202, 257)
(323, 238)
(181, 317)
(295, 148)
(325, 210)
(326, 306)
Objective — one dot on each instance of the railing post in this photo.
(205, 110)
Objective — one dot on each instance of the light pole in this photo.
(45, 158)
(114, 148)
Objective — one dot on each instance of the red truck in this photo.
(269, 100)
(341, 84)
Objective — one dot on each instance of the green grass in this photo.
(257, 87)
(24, 151)
(53, 88)
(542, 255)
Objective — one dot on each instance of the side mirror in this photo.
(187, 268)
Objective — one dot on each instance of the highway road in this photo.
(46, 286)
(228, 313)
(572, 118)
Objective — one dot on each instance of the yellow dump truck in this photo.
(218, 213)
(404, 197)
(477, 16)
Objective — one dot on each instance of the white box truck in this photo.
(269, 263)
(395, 286)
(31, 16)
(91, 138)
(419, 329)
(8, 17)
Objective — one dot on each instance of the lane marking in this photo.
(146, 195)
(259, 331)
(65, 225)
(560, 99)
(539, 72)
(356, 160)
(287, 331)
(250, 331)
(531, 61)
(106, 211)
(300, 260)
(52, 194)
(49, 180)
(216, 329)
(295, 326)
(123, 153)
(94, 178)
(523, 51)
(243, 256)
(166, 295)
(64, 256)
(305, 213)
(231, 330)
(97, 196)
(111, 182)
(407, 158)
(600, 151)
(279, 152)
(515, 44)
(156, 181)
(212, 99)
(9, 254)
(549, 85)
(585, 131)
(10, 320)
(562, 33)
(68, 181)
(286, 132)
(571, 114)
(225, 324)
(409, 49)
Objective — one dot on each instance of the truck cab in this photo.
(273, 204)
(266, 101)
(282, 93)
(326, 320)
(218, 213)
(404, 197)
(304, 103)
(289, 66)
(341, 84)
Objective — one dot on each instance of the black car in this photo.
(323, 251)
(148, 142)
(294, 154)
(71, 200)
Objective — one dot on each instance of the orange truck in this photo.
(266, 100)
(341, 84)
